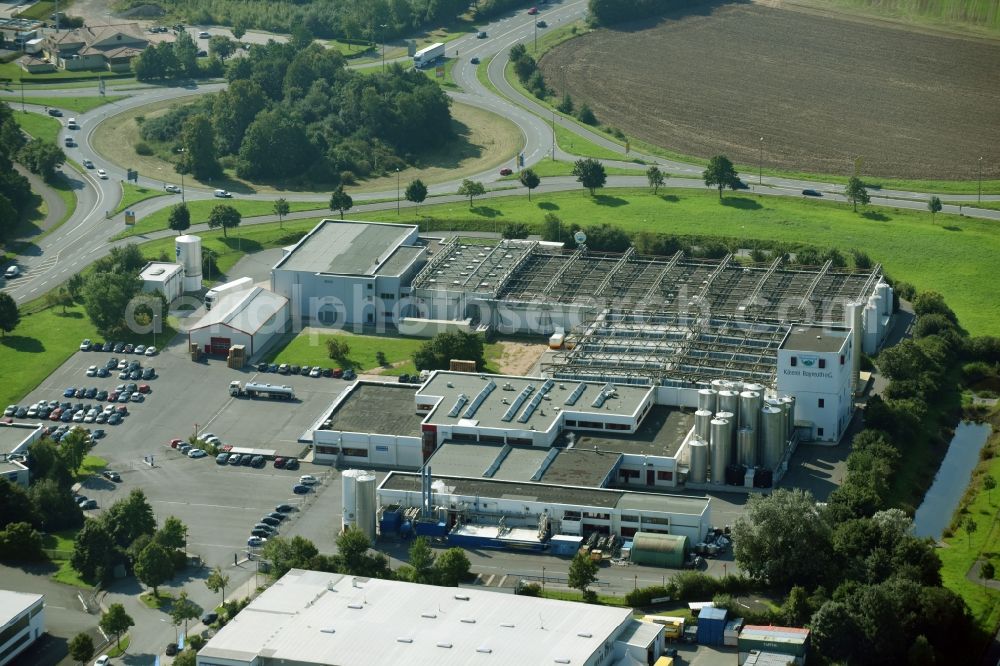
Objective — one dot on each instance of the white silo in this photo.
(188, 251)
(746, 447)
(721, 384)
(349, 498)
(721, 445)
(853, 315)
(772, 423)
(871, 328)
(750, 404)
(884, 292)
(367, 508)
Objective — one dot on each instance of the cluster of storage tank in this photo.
(737, 428)
(874, 316)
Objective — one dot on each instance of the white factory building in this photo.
(254, 318)
(346, 273)
(15, 438)
(163, 277)
(326, 619)
(22, 622)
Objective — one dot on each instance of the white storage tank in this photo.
(349, 498)
(702, 419)
(746, 447)
(884, 292)
(367, 509)
(788, 404)
(721, 443)
(698, 472)
(758, 388)
(707, 399)
(188, 251)
(854, 315)
(721, 384)
(772, 425)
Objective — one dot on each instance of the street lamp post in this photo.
(553, 135)
(397, 190)
(182, 150)
(383, 26)
(155, 319)
(760, 167)
(536, 37)
(979, 198)
(543, 578)
(23, 109)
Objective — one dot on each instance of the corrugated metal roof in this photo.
(246, 311)
(709, 613)
(760, 632)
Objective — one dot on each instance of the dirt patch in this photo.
(821, 91)
(518, 358)
(485, 141)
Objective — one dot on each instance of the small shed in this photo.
(659, 550)
(711, 626)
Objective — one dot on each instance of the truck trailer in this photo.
(426, 56)
(255, 390)
(212, 295)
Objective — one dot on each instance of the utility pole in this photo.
(397, 190)
(23, 110)
(760, 168)
(553, 135)
(383, 26)
(979, 197)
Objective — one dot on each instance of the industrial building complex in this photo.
(22, 621)
(322, 619)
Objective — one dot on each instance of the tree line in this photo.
(295, 112)
(41, 157)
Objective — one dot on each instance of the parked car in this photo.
(256, 541)
(316, 372)
(140, 349)
(90, 393)
(292, 463)
(506, 171)
(268, 520)
(279, 462)
(92, 371)
(203, 35)
(98, 434)
(261, 534)
(221, 458)
(308, 480)
(103, 660)
(265, 527)
(111, 476)
(262, 367)
(119, 347)
(328, 372)
(299, 489)
(283, 508)
(235, 459)
(103, 372)
(85, 345)
(209, 617)
(273, 367)
(294, 369)
(114, 419)
(171, 649)
(257, 461)
(144, 388)
(277, 515)
(305, 370)
(283, 369)
(151, 351)
(350, 375)
(69, 392)
(108, 346)
(148, 373)
(196, 453)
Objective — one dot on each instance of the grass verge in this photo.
(120, 648)
(156, 602)
(133, 194)
(573, 595)
(549, 168)
(13, 72)
(38, 126)
(964, 550)
(92, 465)
(200, 210)
(78, 104)
(950, 256)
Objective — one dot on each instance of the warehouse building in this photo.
(22, 621)
(253, 318)
(321, 619)
(347, 273)
(163, 277)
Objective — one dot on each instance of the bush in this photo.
(142, 148)
(196, 641)
(644, 596)
(530, 590)
(348, 178)
(585, 115)
(694, 585)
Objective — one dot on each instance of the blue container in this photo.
(431, 529)
(711, 626)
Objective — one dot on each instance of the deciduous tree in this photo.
(217, 582)
(183, 609)
(590, 173)
(224, 216)
(81, 648)
(42, 157)
(180, 218)
(437, 353)
(173, 534)
(416, 192)
(341, 201)
(154, 567)
(720, 173)
(452, 567)
(281, 209)
(422, 562)
(655, 177)
(130, 517)
(471, 189)
(10, 316)
(989, 483)
(856, 193)
(198, 139)
(94, 551)
(116, 621)
(582, 572)
(529, 179)
(934, 206)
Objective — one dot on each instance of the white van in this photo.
(223, 194)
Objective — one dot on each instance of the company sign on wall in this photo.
(808, 367)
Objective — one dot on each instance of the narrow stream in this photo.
(952, 478)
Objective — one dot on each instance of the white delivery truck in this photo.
(426, 56)
(255, 390)
(213, 294)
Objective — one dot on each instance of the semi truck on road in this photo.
(255, 390)
(212, 295)
(426, 56)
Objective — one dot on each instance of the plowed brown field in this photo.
(820, 90)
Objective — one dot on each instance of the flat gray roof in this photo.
(13, 604)
(400, 260)
(385, 409)
(490, 413)
(540, 492)
(346, 248)
(661, 434)
(11, 436)
(577, 467)
(821, 339)
(474, 459)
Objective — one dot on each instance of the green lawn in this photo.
(447, 81)
(963, 549)
(549, 168)
(952, 256)
(309, 348)
(573, 595)
(13, 72)
(40, 10)
(38, 126)
(133, 194)
(78, 104)
(59, 546)
(163, 599)
(92, 465)
(64, 191)
(200, 210)
(120, 647)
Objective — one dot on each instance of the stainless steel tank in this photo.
(788, 404)
(729, 401)
(707, 399)
(772, 426)
(746, 447)
(750, 404)
(721, 384)
(698, 470)
(721, 445)
(702, 419)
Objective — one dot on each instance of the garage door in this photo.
(220, 346)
